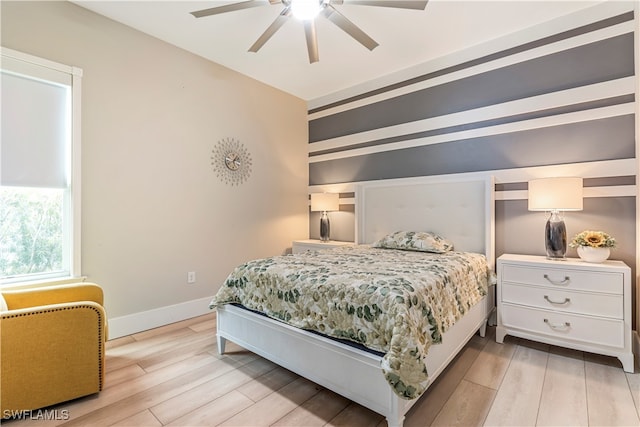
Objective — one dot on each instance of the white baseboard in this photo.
(138, 322)
(636, 348)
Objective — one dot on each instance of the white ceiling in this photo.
(406, 37)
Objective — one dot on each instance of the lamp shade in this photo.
(324, 202)
(549, 194)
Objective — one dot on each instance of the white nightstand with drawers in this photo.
(300, 246)
(568, 303)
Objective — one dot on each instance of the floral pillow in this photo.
(422, 241)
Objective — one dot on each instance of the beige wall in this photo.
(152, 206)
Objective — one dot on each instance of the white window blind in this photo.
(36, 129)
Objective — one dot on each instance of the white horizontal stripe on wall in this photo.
(602, 169)
(556, 26)
(589, 192)
(343, 200)
(605, 191)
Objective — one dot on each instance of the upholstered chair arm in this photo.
(52, 353)
(46, 295)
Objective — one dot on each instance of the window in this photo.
(39, 169)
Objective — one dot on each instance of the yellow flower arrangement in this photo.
(594, 239)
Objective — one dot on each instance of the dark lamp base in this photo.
(555, 238)
(324, 227)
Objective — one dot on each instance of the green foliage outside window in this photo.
(31, 231)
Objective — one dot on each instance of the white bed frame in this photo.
(461, 210)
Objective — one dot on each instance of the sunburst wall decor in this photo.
(231, 161)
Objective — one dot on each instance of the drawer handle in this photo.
(558, 326)
(566, 301)
(566, 280)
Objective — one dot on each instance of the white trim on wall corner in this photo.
(637, 165)
(142, 321)
(637, 112)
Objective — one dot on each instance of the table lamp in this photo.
(555, 195)
(324, 202)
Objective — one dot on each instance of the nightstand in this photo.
(568, 303)
(299, 246)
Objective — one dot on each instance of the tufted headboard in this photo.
(461, 210)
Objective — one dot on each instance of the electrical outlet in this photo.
(191, 277)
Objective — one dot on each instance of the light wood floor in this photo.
(174, 376)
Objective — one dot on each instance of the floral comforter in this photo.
(392, 301)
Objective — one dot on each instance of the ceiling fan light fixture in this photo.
(306, 10)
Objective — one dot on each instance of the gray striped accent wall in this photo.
(554, 102)
(596, 62)
(603, 61)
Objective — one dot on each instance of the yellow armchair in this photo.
(52, 345)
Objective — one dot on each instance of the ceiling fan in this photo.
(307, 11)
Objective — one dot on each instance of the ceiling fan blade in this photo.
(229, 8)
(401, 4)
(312, 40)
(349, 27)
(271, 30)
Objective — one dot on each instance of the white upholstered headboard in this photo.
(461, 210)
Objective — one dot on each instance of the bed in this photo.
(460, 210)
